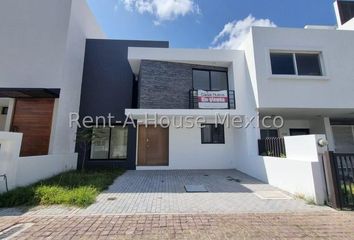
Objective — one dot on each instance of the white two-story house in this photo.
(305, 76)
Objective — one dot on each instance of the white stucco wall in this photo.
(33, 169)
(10, 146)
(333, 90)
(2, 121)
(22, 171)
(299, 173)
(348, 25)
(187, 152)
(42, 46)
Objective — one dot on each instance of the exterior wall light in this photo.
(322, 142)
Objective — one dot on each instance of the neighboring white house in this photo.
(42, 48)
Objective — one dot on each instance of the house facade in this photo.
(301, 77)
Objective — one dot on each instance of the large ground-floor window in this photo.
(109, 143)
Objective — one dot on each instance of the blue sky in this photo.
(195, 23)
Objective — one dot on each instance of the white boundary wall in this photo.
(22, 171)
(302, 171)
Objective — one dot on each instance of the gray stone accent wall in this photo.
(166, 85)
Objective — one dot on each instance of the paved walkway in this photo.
(327, 225)
(155, 205)
(144, 192)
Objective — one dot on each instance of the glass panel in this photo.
(346, 10)
(119, 142)
(207, 134)
(212, 134)
(308, 64)
(269, 133)
(100, 143)
(218, 80)
(201, 80)
(299, 132)
(218, 136)
(282, 63)
(343, 138)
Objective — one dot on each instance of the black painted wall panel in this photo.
(108, 87)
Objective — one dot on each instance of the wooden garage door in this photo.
(33, 118)
(153, 146)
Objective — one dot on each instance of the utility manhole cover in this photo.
(195, 188)
(14, 230)
(272, 195)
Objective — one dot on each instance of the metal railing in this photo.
(344, 177)
(194, 104)
(273, 147)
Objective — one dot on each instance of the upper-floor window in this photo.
(209, 80)
(302, 64)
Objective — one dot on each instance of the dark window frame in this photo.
(210, 70)
(292, 130)
(269, 130)
(212, 136)
(289, 54)
(109, 146)
(4, 110)
(346, 11)
(295, 63)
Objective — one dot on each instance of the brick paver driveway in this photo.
(327, 225)
(141, 192)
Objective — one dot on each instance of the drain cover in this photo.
(195, 188)
(14, 230)
(233, 179)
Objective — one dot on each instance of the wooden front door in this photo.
(153, 146)
(33, 118)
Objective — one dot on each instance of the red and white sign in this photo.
(213, 99)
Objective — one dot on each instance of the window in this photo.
(343, 138)
(201, 80)
(4, 110)
(210, 80)
(282, 63)
(299, 132)
(109, 143)
(302, 64)
(308, 64)
(212, 134)
(346, 10)
(269, 133)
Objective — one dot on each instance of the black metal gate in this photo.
(339, 171)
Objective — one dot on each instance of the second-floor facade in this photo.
(184, 79)
(275, 68)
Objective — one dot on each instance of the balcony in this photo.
(200, 99)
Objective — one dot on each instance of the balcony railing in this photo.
(199, 99)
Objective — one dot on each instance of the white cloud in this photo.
(234, 33)
(163, 10)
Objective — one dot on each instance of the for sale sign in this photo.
(213, 99)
